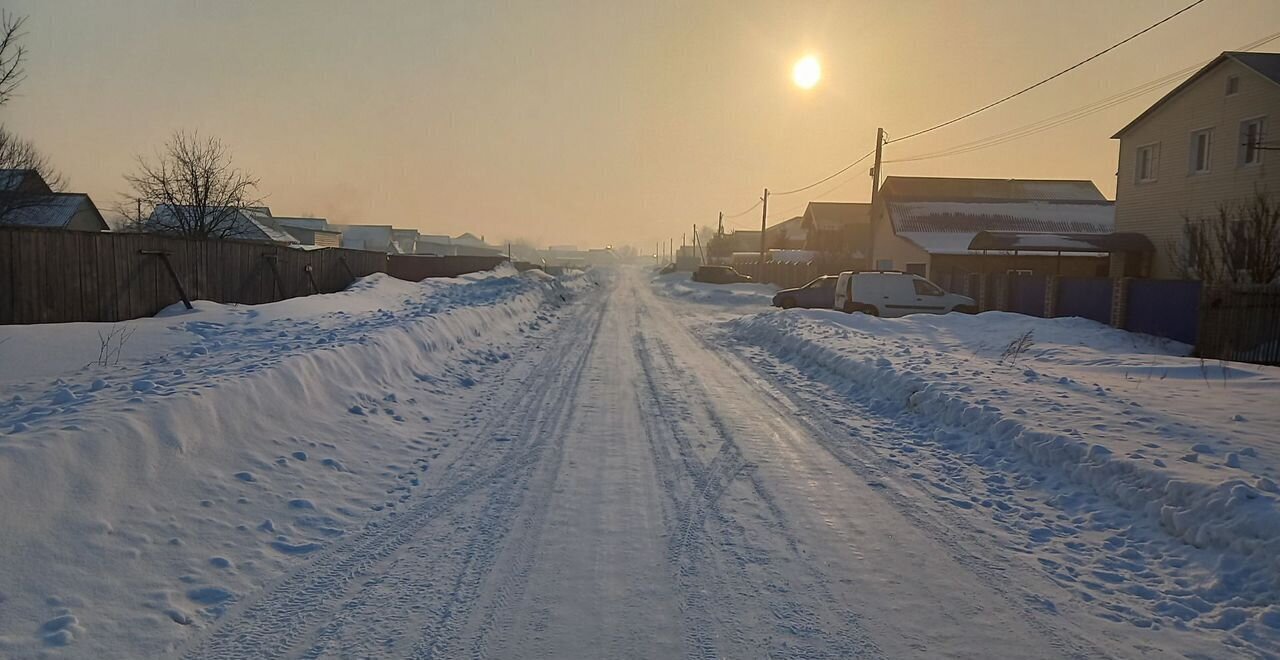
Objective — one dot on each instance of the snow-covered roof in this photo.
(52, 210)
(250, 224)
(1027, 241)
(949, 227)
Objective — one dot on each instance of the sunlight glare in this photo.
(807, 72)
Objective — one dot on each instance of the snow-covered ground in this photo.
(1140, 481)
(220, 448)
(628, 465)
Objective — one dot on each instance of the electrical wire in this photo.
(825, 179)
(1069, 116)
(1050, 78)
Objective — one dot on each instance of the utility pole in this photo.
(875, 169)
(720, 225)
(656, 256)
(764, 213)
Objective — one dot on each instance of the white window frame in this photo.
(1154, 175)
(1243, 149)
(1193, 165)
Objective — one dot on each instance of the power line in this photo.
(730, 216)
(1069, 116)
(1054, 76)
(826, 179)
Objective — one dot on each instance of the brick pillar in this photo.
(1119, 301)
(1051, 296)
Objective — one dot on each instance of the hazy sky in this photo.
(587, 122)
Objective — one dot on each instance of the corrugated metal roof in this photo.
(947, 227)
(920, 188)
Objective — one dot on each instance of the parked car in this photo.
(892, 293)
(719, 275)
(818, 294)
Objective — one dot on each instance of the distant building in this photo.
(247, 224)
(840, 229)
(787, 235)
(924, 225)
(311, 231)
(375, 238)
(722, 247)
(1206, 143)
(27, 201)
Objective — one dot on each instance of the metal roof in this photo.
(923, 188)
(1010, 241)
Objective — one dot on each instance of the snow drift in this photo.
(149, 490)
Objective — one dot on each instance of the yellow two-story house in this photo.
(1206, 143)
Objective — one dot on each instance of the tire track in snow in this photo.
(694, 549)
(272, 622)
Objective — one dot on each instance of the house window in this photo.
(1148, 157)
(917, 269)
(1233, 85)
(1201, 143)
(884, 264)
(1251, 136)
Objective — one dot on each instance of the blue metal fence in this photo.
(1086, 297)
(1165, 308)
(1026, 294)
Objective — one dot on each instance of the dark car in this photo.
(818, 294)
(719, 275)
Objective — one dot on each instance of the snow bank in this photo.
(146, 494)
(679, 285)
(957, 372)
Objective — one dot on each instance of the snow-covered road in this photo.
(615, 466)
(635, 492)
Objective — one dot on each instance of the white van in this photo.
(893, 293)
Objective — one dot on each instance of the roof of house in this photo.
(312, 224)
(833, 216)
(942, 216)
(956, 188)
(26, 180)
(1266, 65)
(249, 224)
(1008, 241)
(51, 210)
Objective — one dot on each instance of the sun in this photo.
(807, 72)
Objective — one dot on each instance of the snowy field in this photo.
(626, 465)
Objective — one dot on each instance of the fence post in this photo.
(1119, 301)
(1051, 296)
(164, 256)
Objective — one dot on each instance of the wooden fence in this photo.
(56, 276)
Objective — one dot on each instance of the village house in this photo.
(27, 201)
(311, 231)
(1204, 144)
(925, 226)
(838, 229)
(247, 224)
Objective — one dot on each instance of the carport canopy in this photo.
(1019, 241)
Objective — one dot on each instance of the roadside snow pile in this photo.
(155, 471)
(679, 285)
(1189, 444)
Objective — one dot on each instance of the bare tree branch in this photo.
(12, 54)
(191, 189)
(19, 154)
(1239, 244)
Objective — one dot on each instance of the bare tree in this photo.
(1239, 244)
(12, 54)
(19, 154)
(191, 189)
